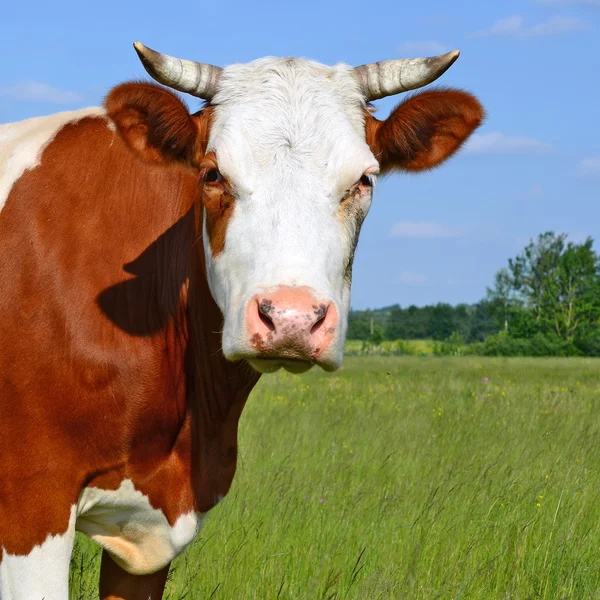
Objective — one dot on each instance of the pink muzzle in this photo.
(289, 322)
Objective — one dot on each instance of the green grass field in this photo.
(406, 478)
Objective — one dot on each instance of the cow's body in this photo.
(104, 399)
(153, 264)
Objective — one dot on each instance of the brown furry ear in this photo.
(153, 121)
(424, 130)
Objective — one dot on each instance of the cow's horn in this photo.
(197, 79)
(389, 77)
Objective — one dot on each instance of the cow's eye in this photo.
(366, 180)
(213, 176)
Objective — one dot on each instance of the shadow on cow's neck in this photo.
(169, 287)
(144, 304)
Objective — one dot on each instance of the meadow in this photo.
(406, 477)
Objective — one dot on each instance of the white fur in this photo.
(289, 136)
(22, 143)
(138, 536)
(44, 573)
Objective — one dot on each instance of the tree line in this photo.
(434, 322)
(546, 301)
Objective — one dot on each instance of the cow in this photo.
(154, 264)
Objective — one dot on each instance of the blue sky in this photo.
(534, 166)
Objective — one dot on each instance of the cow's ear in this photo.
(154, 122)
(424, 130)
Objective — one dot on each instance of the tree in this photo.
(377, 336)
(358, 329)
(502, 299)
(535, 272)
(441, 324)
(482, 322)
(551, 287)
(575, 305)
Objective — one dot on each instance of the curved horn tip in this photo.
(440, 64)
(445, 60)
(151, 60)
(451, 57)
(143, 51)
(139, 48)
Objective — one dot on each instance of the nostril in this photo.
(265, 308)
(267, 321)
(320, 313)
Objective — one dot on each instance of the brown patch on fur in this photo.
(203, 121)
(218, 201)
(424, 130)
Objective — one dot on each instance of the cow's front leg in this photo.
(117, 584)
(42, 573)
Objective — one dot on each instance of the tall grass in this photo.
(407, 478)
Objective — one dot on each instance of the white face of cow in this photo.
(287, 156)
(288, 140)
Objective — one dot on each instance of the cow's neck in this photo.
(217, 391)
(206, 392)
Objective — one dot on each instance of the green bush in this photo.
(378, 335)
(589, 345)
(452, 346)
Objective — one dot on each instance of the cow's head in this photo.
(288, 153)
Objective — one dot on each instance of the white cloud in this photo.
(424, 230)
(425, 48)
(36, 91)
(589, 167)
(571, 2)
(496, 142)
(515, 27)
(506, 26)
(410, 278)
